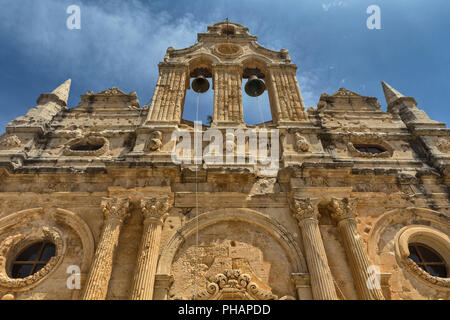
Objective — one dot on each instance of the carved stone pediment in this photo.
(346, 98)
(232, 284)
(111, 95)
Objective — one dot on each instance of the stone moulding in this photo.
(430, 237)
(88, 140)
(13, 244)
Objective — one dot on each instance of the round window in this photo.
(32, 259)
(428, 259)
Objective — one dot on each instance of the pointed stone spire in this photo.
(60, 95)
(62, 92)
(390, 93)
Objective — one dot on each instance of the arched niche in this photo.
(233, 239)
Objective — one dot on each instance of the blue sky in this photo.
(121, 42)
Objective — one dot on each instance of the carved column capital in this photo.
(304, 208)
(342, 208)
(115, 208)
(155, 209)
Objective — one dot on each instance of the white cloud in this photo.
(119, 42)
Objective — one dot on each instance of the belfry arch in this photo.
(228, 54)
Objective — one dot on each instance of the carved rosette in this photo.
(115, 208)
(233, 283)
(304, 208)
(342, 209)
(155, 209)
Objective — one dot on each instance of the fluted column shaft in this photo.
(115, 211)
(321, 279)
(154, 212)
(168, 98)
(227, 81)
(285, 94)
(343, 212)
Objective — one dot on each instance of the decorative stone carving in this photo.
(21, 240)
(155, 208)
(429, 236)
(10, 141)
(115, 208)
(301, 144)
(155, 141)
(342, 208)
(444, 145)
(233, 284)
(304, 208)
(228, 50)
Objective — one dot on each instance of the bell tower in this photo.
(228, 54)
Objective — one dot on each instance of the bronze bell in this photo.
(200, 84)
(254, 86)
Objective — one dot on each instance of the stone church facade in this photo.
(92, 205)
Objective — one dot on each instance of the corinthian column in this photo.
(305, 211)
(342, 210)
(154, 211)
(115, 211)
